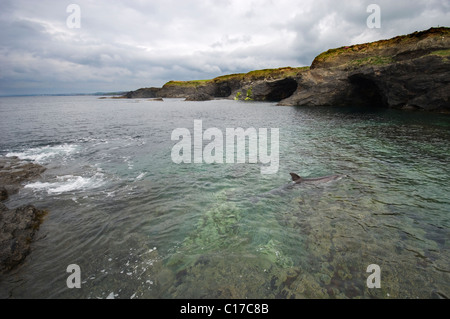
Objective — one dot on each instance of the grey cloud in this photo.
(124, 45)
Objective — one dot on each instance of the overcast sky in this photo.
(126, 45)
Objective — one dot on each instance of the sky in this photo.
(48, 47)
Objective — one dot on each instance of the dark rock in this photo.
(17, 230)
(199, 97)
(267, 90)
(174, 89)
(3, 194)
(14, 172)
(144, 93)
(277, 90)
(17, 226)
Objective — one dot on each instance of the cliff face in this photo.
(268, 85)
(143, 93)
(261, 85)
(405, 72)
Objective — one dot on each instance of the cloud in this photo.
(124, 45)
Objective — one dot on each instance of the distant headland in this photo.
(406, 72)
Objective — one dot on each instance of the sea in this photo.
(125, 220)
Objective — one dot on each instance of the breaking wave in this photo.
(42, 154)
(68, 183)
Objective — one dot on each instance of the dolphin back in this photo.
(323, 179)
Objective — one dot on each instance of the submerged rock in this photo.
(15, 172)
(17, 230)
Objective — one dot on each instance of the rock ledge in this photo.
(17, 226)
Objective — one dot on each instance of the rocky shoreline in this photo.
(17, 226)
(406, 72)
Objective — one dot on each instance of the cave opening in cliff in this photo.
(222, 91)
(365, 92)
(281, 90)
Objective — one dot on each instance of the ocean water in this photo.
(141, 226)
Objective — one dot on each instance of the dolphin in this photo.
(297, 179)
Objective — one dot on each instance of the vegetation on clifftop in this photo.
(374, 49)
(372, 60)
(274, 73)
(192, 83)
(265, 74)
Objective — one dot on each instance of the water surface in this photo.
(141, 226)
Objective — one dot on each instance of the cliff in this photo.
(260, 85)
(405, 72)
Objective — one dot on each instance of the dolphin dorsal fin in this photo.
(295, 177)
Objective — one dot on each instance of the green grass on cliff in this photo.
(365, 48)
(228, 77)
(269, 74)
(193, 83)
(274, 73)
(442, 52)
(372, 60)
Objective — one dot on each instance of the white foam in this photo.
(68, 183)
(44, 153)
(141, 176)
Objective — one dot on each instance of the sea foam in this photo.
(42, 154)
(68, 183)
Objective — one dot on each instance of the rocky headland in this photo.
(17, 226)
(406, 72)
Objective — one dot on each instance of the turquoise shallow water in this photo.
(141, 226)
